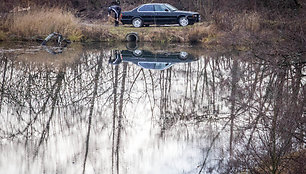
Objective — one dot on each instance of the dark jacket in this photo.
(116, 9)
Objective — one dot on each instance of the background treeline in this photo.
(97, 8)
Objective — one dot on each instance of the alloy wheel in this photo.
(183, 21)
(137, 22)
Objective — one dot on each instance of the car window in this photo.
(160, 8)
(171, 7)
(146, 8)
(155, 65)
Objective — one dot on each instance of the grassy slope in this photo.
(157, 33)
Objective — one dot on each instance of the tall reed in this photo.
(44, 21)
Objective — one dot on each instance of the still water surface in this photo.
(144, 109)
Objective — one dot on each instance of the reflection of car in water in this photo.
(149, 60)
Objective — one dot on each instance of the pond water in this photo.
(143, 108)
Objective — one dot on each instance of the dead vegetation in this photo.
(41, 22)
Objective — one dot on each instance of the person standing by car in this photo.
(115, 8)
(115, 57)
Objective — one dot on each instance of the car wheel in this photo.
(183, 21)
(137, 53)
(183, 55)
(137, 22)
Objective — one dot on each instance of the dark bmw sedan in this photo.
(157, 13)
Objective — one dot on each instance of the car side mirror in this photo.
(167, 10)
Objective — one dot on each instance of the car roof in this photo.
(154, 4)
(148, 4)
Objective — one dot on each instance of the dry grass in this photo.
(246, 21)
(243, 30)
(202, 33)
(165, 35)
(42, 22)
(97, 33)
(2, 36)
(2, 29)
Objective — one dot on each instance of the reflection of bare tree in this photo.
(54, 97)
(3, 82)
(233, 102)
(120, 114)
(91, 110)
(167, 118)
(256, 108)
(117, 125)
(114, 117)
(275, 111)
(203, 165)
(264, 105)
(44, 100)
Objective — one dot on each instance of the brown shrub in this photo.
(2, 36)
(202, 33)
(44, 21)
(97, 33)
(246, 21)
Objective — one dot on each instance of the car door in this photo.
(146, 12)
(163, 15)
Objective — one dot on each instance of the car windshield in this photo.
(171, 7)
